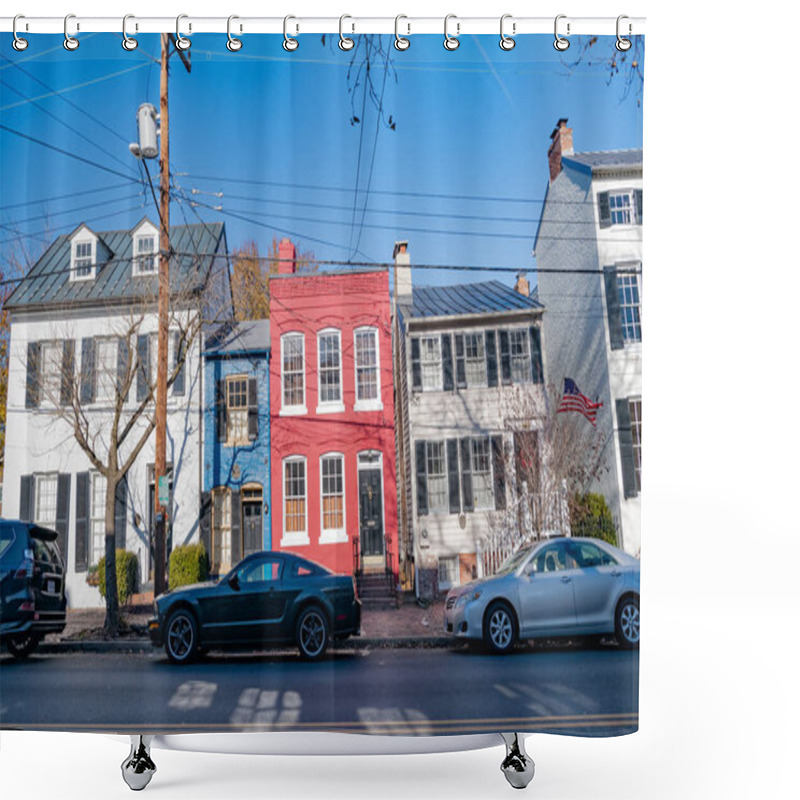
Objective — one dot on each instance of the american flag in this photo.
(573, 400)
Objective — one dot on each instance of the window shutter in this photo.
(178, 357)
(87, 371)
(26, 499)
(123, 353)
(491, 358)
(422, 478)
(120, 516)
(62, 515)
(537, 370)
(461, 362)
(637, 199)
(218, 498)
(467, 497)
(221, 412)
(82, 501)
(626, 448)
(447, 362)
(252, 409)
(505, 357)
(452, 476)
(205, 523)
(612, 308)
(499, 470)
(416, 366)
(604, 210)
(32, 382)
(236, 528)
(67, 371)
(143, 369)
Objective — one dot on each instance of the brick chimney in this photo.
(402, 272)
(522, 286)
(562, 145)
(287, 257)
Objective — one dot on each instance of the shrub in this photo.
(590, 516)
(188, 564)
(127, 575)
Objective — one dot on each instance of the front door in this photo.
(370, 508)
(252, 531)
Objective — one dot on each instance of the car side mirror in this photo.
(530, 570)
(233, 582)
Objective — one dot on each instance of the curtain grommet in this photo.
(70, 42)
(451, 43)
(289, 43)
(401, 43)
(623, 44)
(507, 42)
(233, 44)
(128, 42)
(561, 44)
(345, 43)
(19, 44)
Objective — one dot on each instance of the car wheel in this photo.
(312, 633)
(499, 628)
(627, 623)
(23, 644)
(180, 641)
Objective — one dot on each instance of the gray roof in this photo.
(487, 297)
(606, 159)
(239, 337)
(48, 281)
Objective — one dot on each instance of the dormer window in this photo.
(145, 258)
(83, 256)
(83, 260)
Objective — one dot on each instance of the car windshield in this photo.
(6, 538)
(512, 562)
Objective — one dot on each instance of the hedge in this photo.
(188, 564)
(127, 575)
(591, 516)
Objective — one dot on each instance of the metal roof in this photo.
(486, 297)
(238, 337)
(607, 158)
(49, 280)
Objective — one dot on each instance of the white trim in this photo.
(294, 538)
(293, 410)
(377, 403)
(145, 231)
(329, 406)
(83, 236)
(365, 466)
(333, 535)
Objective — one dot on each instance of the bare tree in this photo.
(591, 53)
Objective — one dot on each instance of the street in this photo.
(411, 692)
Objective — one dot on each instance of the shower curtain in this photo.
(330, 359)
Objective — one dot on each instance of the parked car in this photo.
(268, 599)
(32, 599)
(559, 587)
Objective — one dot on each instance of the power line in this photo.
(10, 225)
(53, 199)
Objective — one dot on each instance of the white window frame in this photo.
(140, 257)
(294, 538)
(39, 479)
(447, 584)
(473, 472)
(437, 385)
(332, 535)
(84, 238)
(222, 529)
(629, 272)
(445, 507)
(370, 404)
(630, 209)
(50, 381)
(635, 410)
(96, 552)
(242, 439)
(99, 398)
(525, 358)
(329, 406)
(293, 410)
(480, 336)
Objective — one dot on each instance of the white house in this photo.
(471, 385)
(85, 310)
(588, 253)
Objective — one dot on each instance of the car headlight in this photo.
(468, 597)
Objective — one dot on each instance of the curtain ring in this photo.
(506, 42)
(345, 43)
(128, 43)
(401, 42)
(233, 44)
(561, 44)
(181, 42)
(451, 42)
(70, 42)
(289, 44)
(19, 44)
(623, 44)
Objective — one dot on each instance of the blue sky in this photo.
(461, 177)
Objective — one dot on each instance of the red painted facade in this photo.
(333, 442)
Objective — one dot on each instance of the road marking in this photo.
(505, 690)
(193, 695)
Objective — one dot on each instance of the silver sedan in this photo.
(558, 587)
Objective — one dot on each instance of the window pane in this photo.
(293, 370)
(332, 493)
(476, 359)
(431, 361)
(46, 488)
(107, 369)
(329, 363)
(97, 518)
(482, 484)
(366, 365)
(629, 306)
(437, 477)
(636, 435)
(50, 372)
(295, 496)
(520, 356)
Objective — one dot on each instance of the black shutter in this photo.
(236, 528)
(626, 448)
(26, 488)
(537, 371)
(82, 501)
(467, 497)
(422, 477)
(452, 476)
(205, 524)
(252, 409)
(447, 362)
(218, 500)
(62, 515)
(461, 362)
(612, 308)
(505, 357)
(416, 366)
(120, 515)
(604, 210)
(637, 199)
(221, 412)
(123, 352)
(178, 357)
(491, 358)
(67, 371)
(499, 469)
(32, 383)
(143, 368)
(87, 371)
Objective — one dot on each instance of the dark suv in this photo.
(32, 600)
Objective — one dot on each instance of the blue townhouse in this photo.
(235, 510)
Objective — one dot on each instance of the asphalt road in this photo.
(590, 692)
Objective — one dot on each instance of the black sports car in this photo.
(268, 599)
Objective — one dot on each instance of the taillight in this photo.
(25, 569)
(28, 605)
